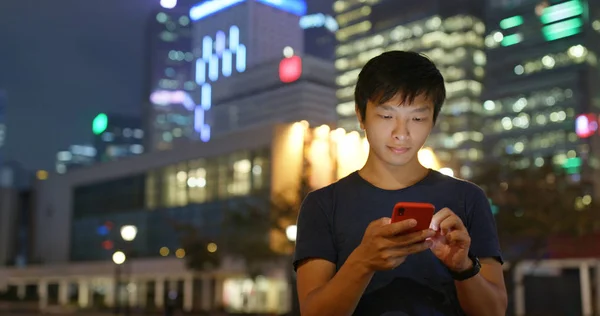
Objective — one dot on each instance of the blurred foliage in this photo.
(536, 203)
(245, 232)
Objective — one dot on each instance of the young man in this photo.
(351, 260)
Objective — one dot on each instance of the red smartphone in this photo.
(422, 212)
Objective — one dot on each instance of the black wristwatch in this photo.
(467, 274)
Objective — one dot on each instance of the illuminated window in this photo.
(241, 178)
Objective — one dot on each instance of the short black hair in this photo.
(399, 72)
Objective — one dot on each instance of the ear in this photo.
(361, 120)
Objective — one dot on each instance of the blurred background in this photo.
(154, 153)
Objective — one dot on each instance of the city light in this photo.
(211, 247)
(99, 124)
(168, 4)
(128, 232)
(42, 175)
(291, 232)
(166, 97)
(586, 125)
(290, 69)
(119, 257)
(319, 20)
(562, 11)
(511, 22)
(216, 59)
(207, 8)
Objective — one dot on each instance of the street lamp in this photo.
(119, 257)
(128, 232)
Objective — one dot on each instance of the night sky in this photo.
(62, 62)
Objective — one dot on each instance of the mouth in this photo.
(399, 150)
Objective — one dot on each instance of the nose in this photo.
(400, 131)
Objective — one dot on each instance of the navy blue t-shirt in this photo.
(332, 222)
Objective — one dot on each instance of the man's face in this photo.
(397, 131)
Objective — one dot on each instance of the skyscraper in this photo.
(232, 36)
(543, 74)
(168, 113)
(117, 136)
(319, 27)
(451, 33)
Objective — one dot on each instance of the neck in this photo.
(390, 177)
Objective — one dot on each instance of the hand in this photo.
(384, 247)
(452, 241)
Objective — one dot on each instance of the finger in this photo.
(439, 217)
(398, 227)
(409, 239)
(381, 222)
(451, 223)
(412, 249)
(458, 236)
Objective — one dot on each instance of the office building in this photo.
(231, 37)
(319, 27)
(75, 157)
(451, 33)
(169, 105)
(3, 106)
(289, 89)
(117, 136)
(542, 76)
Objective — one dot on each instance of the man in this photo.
(351, 260)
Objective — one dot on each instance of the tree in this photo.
(534, 204)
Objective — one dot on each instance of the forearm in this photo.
(341, 294)
(479, 297)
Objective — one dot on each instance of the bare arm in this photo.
(321, 291)
(485, 293)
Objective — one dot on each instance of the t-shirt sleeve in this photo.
(481, 225)
(314, 237)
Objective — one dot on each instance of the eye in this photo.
(385, 116)
(419, 119)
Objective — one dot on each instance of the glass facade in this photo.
(193, 192)
(544, 57)
(454, 40)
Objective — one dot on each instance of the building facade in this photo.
(451, 34)
(75, 157)
(169, 103)
(231, 37)
(543, 76)
(117, 136)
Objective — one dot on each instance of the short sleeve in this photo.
(481, 225)
(314, 236)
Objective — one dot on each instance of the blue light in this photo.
(240, 58)
(207, 47)
(213, 68)
(198, 119)
(207, 8)
(220, 42)
(206, 98)
(202, 10)
(102, 230)
(205, 133)
(234, 37)
(297, 7)
(227, 63)
(200, 71)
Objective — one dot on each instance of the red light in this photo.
(586, 125)
(290, 69)
(109, 225)
(107, 244)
